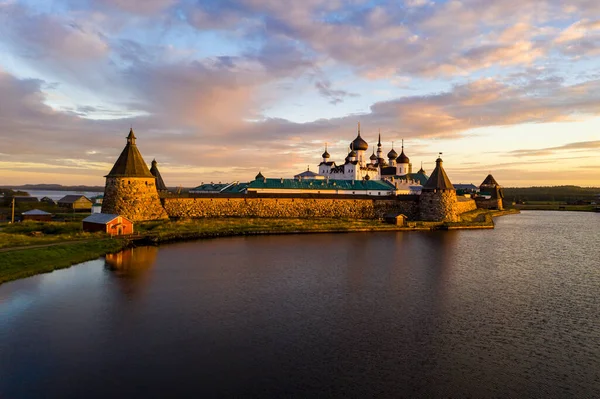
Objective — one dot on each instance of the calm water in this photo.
(512, 312)
(56, 195)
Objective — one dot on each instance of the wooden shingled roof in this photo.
(160, 183)
(130, 163)
(439, 179)
(490, 181)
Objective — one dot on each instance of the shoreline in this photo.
(26, 261)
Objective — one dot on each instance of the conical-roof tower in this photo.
(437, 202)
(439, 179)
(160, 183)
(130, 163)
(130, 188)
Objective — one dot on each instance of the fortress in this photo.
(355, 189)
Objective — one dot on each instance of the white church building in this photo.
(396, 170)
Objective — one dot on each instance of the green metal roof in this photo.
(211, 187)
(221, 188)
(295, 184)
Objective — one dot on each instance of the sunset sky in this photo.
(217, 90)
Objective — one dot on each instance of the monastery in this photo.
(356, 188)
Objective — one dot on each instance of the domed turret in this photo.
(325, 154)
(259, 176)
(403, 158)
(359, 144)
(392, 154)
(373, 157)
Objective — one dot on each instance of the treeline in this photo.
(557, 193)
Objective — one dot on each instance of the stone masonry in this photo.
(438, 206)
(135, 198)
(288, 207)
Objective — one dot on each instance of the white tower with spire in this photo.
(403, 166)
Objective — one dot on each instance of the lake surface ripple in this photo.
(510, 312)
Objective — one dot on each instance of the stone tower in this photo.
(437, 202)
(130, 187)
(491, 187)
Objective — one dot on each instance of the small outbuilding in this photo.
(109, 223)
(395, 218)
(48, 200)
(36, 215)
(75, 202)
(19, 200)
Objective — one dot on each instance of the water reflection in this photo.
(131, 268)
(510, 312)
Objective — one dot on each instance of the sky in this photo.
(218, 90)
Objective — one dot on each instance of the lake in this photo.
(509, 312)
(56, 194)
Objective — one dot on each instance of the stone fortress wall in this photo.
(492, 203)
(364, 208)
(289, 207)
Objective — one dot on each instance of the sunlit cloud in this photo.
(201, 81)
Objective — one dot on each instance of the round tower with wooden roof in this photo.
(437, 202)
(130, 188)
(161, 187)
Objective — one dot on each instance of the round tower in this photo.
(437, 202)
(130, 188)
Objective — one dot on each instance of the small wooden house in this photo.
(48, 200)
(20, 200)
(75, 202)
(108, 223)
(36, 215)
(395, 218)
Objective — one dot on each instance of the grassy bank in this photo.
(21, 254)
(28, 262)
(39, 233)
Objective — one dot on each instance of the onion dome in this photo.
(403, 158)
(359, 144)
(325, 154)
(373, 157)
(352, 154)
(392, 154)
(259, 176)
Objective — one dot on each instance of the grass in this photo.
(39, 233)
(25, 263)
(554, 207)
